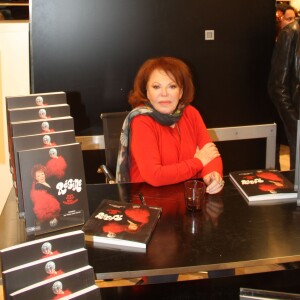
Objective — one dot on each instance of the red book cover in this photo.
(53, 188)
(264, 186)
(121, 225)
(45, 140)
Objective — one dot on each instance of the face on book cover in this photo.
(39, 174)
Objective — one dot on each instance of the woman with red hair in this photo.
(45, 205)
(164, 139)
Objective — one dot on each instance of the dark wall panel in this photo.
(92, 50)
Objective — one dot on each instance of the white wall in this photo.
(295, 4)
(14, 80)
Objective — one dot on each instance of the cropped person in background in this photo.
(285, 14)
(284, 82)
(164, 139)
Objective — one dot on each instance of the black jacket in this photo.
(284, 79)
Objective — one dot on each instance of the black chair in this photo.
(112, 125)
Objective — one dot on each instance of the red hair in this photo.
(38, 167)
(174, 67)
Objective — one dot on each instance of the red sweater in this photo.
(161, 155)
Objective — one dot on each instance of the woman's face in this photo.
(163, 92)
(40, 176)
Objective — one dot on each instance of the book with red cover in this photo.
(38, 270)
(50, 246)
(45, 140)
(31, 100)
(264, 186)
(59, 286)
(53, 188)
(121, 225)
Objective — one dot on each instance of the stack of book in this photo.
(46, 163)
(49, 268)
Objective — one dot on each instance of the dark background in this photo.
(93, 49)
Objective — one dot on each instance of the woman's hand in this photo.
(207, 153)
(214, 182)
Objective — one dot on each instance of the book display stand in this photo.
(46, 163)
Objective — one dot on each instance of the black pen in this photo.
(142, 199)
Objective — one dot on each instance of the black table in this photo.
(227, 234)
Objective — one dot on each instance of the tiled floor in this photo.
(284, 163)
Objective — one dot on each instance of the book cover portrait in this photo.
(263, 185)
(121, 225)
(53, 187)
